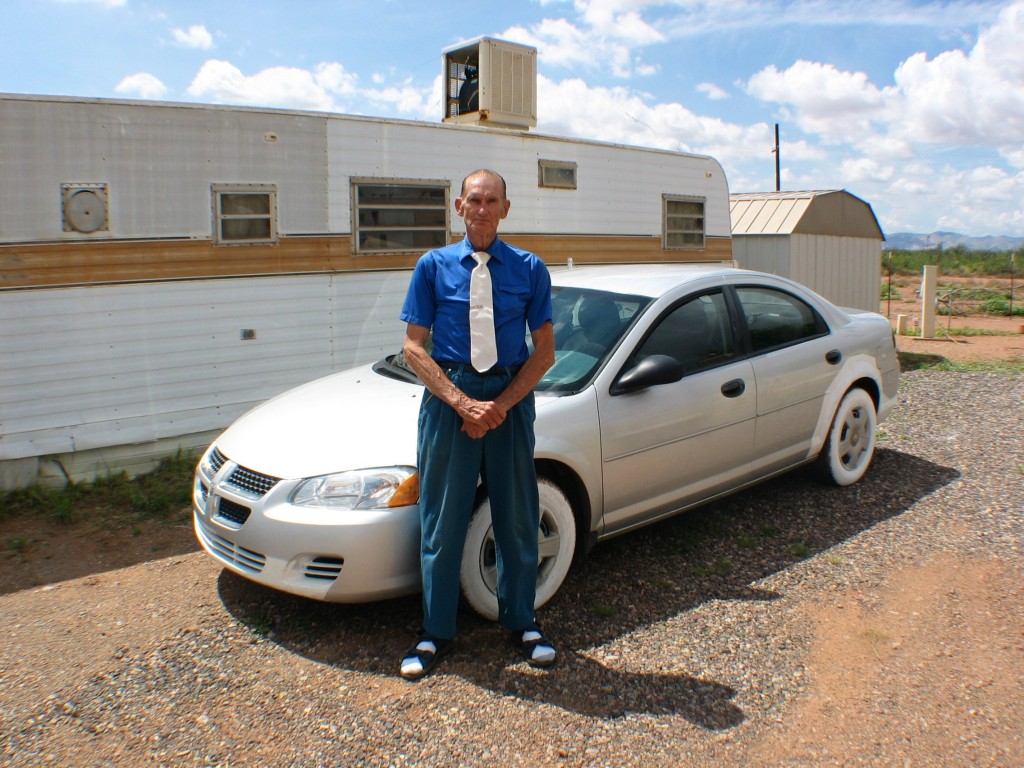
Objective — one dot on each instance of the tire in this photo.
(557, 540)
(850, 444)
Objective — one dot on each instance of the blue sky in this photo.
(916, 106)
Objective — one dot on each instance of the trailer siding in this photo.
(132, 335)
(89, 367)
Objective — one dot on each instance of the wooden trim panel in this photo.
(120, 261)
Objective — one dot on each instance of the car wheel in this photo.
(556, 540)
(850, 444)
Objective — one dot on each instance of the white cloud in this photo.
(712, 91)
(104, 3)
(865, 169)
(141, 85)
(573, 108)
(195, 36)
(823, 100)
(610, 32)
(222, 82)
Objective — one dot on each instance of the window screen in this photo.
(395, 216)
(683, 223)
(245, 213)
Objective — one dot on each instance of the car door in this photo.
(795, 358)
(670, 445)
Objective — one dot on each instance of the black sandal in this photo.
(538, 650)
(420, 659)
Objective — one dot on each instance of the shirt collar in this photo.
(495, 250)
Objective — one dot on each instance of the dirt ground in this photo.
(958, 348)
(34, 552)
(889, 668)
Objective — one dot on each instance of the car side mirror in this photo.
(649, 372)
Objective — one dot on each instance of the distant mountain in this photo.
(908, 241)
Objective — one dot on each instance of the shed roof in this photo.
(818, 212)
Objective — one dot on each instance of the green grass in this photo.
(942, 333)
(952, 261)
(157, 495)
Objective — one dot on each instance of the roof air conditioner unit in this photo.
(491, 82)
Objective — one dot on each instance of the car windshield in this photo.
(588, 326)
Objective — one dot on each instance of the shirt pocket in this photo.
(510, 301)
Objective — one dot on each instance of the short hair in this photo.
(486, 172)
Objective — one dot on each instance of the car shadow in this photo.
(717, 552)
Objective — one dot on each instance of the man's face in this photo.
(482, 205)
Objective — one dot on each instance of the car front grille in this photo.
(253, 483)
(232, 512)
(226, 550)
(217, 460)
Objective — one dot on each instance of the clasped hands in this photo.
(480, 416)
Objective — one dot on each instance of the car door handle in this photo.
(734, 388)
(833, 357)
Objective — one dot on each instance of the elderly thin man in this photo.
(477, 415)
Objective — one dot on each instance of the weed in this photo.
(799, 549)
(159, 494)
(17, 545)
(604, 611)
(747, 541)
(889, 292)
(719, 567)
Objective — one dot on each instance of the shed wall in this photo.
(845, 270)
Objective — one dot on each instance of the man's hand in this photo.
(479, 416)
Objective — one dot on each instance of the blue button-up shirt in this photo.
(438, 298)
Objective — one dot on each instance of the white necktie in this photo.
(483, 350)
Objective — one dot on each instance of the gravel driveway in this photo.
(794, 624)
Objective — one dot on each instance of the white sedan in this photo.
(672, 385)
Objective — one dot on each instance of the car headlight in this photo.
(377, 488)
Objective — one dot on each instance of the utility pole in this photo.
(778, 178)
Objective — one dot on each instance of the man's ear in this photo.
(508, 204)
(458, 206)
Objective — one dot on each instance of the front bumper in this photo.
(343, 556)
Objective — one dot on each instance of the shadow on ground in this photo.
(713, 553)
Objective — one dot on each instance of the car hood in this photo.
(350, 420)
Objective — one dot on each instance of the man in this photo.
(475, 421)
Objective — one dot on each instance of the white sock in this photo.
(410, 664)
(540, 653)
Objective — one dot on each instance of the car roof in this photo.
(651, 280)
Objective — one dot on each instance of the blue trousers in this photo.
(450, 462)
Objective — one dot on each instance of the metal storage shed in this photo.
(829, 240)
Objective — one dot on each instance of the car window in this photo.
(697, 333)
(775, 318)
(588, 325)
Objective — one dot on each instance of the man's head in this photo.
(482, 204)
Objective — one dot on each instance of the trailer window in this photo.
(244, 213)
(393, 216)
(557, 173)
(683, 223)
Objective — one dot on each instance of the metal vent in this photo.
(84, 208)
(324, 568)
(229, 552)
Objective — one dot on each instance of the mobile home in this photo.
(164, 267)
